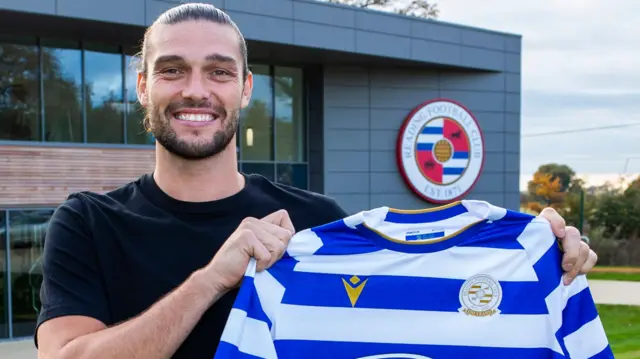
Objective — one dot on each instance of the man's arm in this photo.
(75, 322)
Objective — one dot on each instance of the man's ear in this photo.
(247, 90)
(141, 89)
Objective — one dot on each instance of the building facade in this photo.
(334, 86)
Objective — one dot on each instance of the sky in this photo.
(580, 69)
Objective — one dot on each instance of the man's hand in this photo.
(264, 239)
(578, 258)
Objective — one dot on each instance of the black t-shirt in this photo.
(111, 256)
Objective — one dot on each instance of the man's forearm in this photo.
(156, 333)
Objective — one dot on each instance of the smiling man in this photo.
(150, 270)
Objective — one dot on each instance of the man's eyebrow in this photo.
(168, 58)
(210, 58)
(220, 58)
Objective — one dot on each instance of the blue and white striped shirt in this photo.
(463, 280)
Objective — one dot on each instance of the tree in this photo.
(418, 8)
(566, 175)
(547, 188)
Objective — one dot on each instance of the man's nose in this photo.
(196, 87)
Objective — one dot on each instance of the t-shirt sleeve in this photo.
(72, 282)
(247, 332)
(574, 317)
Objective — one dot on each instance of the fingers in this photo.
(590, 262)
(260, 252)
(575, 254)
(557, 222)
(280, 218)
(264, 233)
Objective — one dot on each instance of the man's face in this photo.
(193, 91)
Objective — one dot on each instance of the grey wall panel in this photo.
(319, 13)
(34, 6)
(370, 21)
(392, 95)
(315, 24)
(513, 122)
(266, 28)
(117, 11)
(373, 43)
(324, 36)
(266, 8)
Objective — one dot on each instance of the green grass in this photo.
(622, 325)
(634, 277)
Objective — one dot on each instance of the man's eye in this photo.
(171, 71)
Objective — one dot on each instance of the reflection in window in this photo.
(27, 229)
(256, 125)
(290, 131)
(265, 169)
(293, 175)
(104, 101)
(62, 88)
(4, 291)
(19, 89)
(136, 133)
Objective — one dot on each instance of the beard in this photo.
(160, 127)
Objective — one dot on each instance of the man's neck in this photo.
(198, 181)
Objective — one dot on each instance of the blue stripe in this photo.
(345, 350)
(430, 130)
(404, 293)
(458, 155)
(426, 217)
(249, 301)
(606, 353)
(424, 146)
(548, 270)
(452, 170)
(339, 239)
(579, 311)
(497, 235)
(230, 351)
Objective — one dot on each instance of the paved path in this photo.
(615, 292)
(604, 292)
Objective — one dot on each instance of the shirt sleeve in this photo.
(248, 331)
(573, 315)
(72, 281)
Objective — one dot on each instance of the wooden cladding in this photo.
(39, 176)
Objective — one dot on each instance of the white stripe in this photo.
(587, 341)
(456, 163)
(429, 138)
(304, 242)
(411, 327)
(250, 336)
(270, 293)
(439, 122)
(536, 238)
(449, 178)
(558, 298)
(501, 264)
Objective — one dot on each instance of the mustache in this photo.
(177, 105)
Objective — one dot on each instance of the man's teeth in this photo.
(194, 117)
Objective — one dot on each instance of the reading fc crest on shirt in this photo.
(440, 151)
(480, 296)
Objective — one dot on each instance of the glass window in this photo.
(19, 90)
(27, 229)
(290, 130)
(104, 100)
(265, 169)
(4, 292)
(136, 133)
(293, 175)
(62, 89)
(256, 125)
